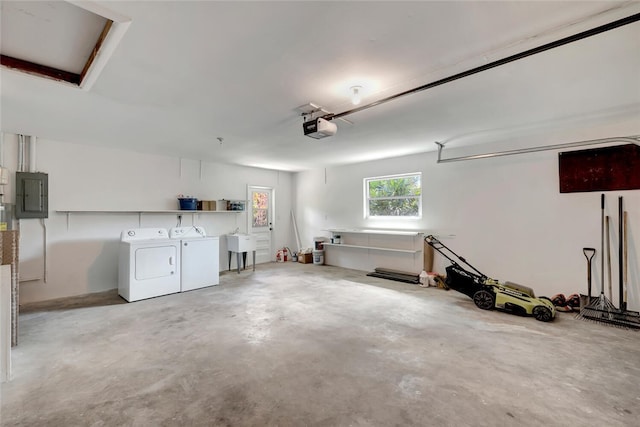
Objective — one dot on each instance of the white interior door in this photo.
(260, 215)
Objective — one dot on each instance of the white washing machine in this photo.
(199, 257)
(149, 264)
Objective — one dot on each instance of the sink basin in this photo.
(240, 242)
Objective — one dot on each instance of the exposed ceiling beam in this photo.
(40, 70)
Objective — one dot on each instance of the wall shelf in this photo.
(374, 231)
(368, 248)
(176, 212)
(406, 251)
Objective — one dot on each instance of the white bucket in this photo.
(318, 257)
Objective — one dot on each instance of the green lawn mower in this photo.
(489, 294)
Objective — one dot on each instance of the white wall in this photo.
(507, 216)
(82, 254)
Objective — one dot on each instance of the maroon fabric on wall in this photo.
(600, 169)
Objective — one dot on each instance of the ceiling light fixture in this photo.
(356, 96)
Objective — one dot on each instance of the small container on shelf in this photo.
(236, 205)
(188, 203)
(231, 205)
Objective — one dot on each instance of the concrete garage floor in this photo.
(304, 345)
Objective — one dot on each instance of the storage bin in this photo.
(208, 205)
(188, 204)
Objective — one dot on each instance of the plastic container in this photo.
(188, 203)
(318, 243)
(6, 217)
(318, 257)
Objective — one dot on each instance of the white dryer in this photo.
(149, 264)
(199, 257)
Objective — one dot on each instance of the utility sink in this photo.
(241, 242)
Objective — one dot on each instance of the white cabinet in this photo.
(367, 249)
(200, 263)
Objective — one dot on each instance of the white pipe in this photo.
(44, 250)
(295, 230)
(631, 139)
(1, 149)
(20, 152)
(32, 153)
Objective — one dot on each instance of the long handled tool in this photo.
(609, 260)
(623, 305)
(602, 241)
(588, 254)
(625, 318)
(621, 243)
(295, 229)
(602, 310)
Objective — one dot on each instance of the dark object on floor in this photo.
(398, 276)
(559, 300)
(573, 301)
(487, 293)
(560, 303)
(440, 282)
(566, 304)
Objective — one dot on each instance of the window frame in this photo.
(367, 199)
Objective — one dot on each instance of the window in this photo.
(393, 196)
(260, 209)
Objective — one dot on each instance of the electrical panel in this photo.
(32, 195)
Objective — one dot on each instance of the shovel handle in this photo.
(588, 254)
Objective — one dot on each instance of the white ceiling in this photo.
(186, 73)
